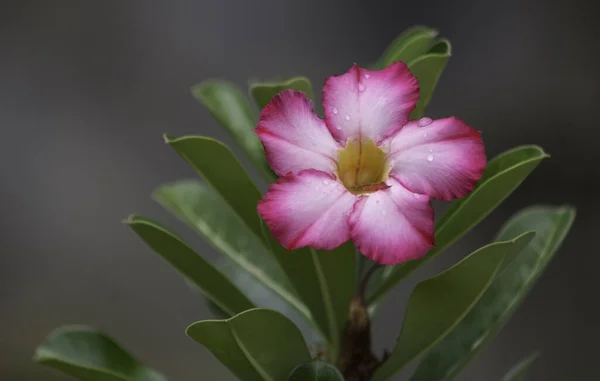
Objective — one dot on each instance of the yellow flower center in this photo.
(362, 166)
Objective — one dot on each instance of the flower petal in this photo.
(308, 209)
(443, 158)
(294, 137)
(369, 103)
(392, 225)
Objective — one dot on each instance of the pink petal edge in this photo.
(309, 208)
(294, 137)
(392, 226)
(369, 103)
(443, 158)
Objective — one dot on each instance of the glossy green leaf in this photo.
(409, 45)
(217, 165)
(230, 107)
(505, 294)
(501, 177)
(316, 370)
(438, 304)
(201, 208)
(89, 355)
(256, 345)
(196, 269)
(262, 92)
(428, 68)
(519, 372)
(324, 282)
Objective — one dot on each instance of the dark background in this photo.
(88, 87)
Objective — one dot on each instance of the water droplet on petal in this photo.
(383, 212)
(367, 75)
(377, 201)
(347, 117)
(424, 122)
(430, 158)
(334, 111)
(325, 182)
(430, 150)
(338, 127)
(361, 87)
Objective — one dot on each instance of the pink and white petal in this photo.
(392, 226)
(369, 103)
(443, 158)
(308, 209)
(294, 137)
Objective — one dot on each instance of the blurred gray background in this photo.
(88, 87)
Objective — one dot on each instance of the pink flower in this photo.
(365, 172)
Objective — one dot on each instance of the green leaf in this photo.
(230, 107)
(438, 304)
(201, 208)
(324, 281)
(255, 345)
(262, 92)
(507, 291)
(316, 370)
(428, 68)
(407, 46)
(501, 177)
(196, 269)
(519, 372)
(217, 165)
(89, 355)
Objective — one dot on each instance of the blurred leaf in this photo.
(428, 69)
(519, 372)
(201, 208)
(316, 370)
(324, 281)
(501, 177)
(507, 291)
(262, 92)
(89, 355)
(233, 112)
(196, 269)
(255, 345)
(438, 304)
(409, 45)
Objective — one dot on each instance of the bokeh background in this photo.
(88, 87)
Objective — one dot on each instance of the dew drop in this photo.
(430, 150)
(430, 158)
(334, 111)
(338, 127)
(424, 122)
(347, 117)
(367, 75)
(361, 87)
(325, 182)
(383, 212)
(377, 201)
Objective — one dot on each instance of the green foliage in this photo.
(90, 355)
(316, 370)
(256, 345)
(262, 92)
(505, 294)
(438, 304)
(307, 293)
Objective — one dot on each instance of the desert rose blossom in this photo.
(364, 172)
